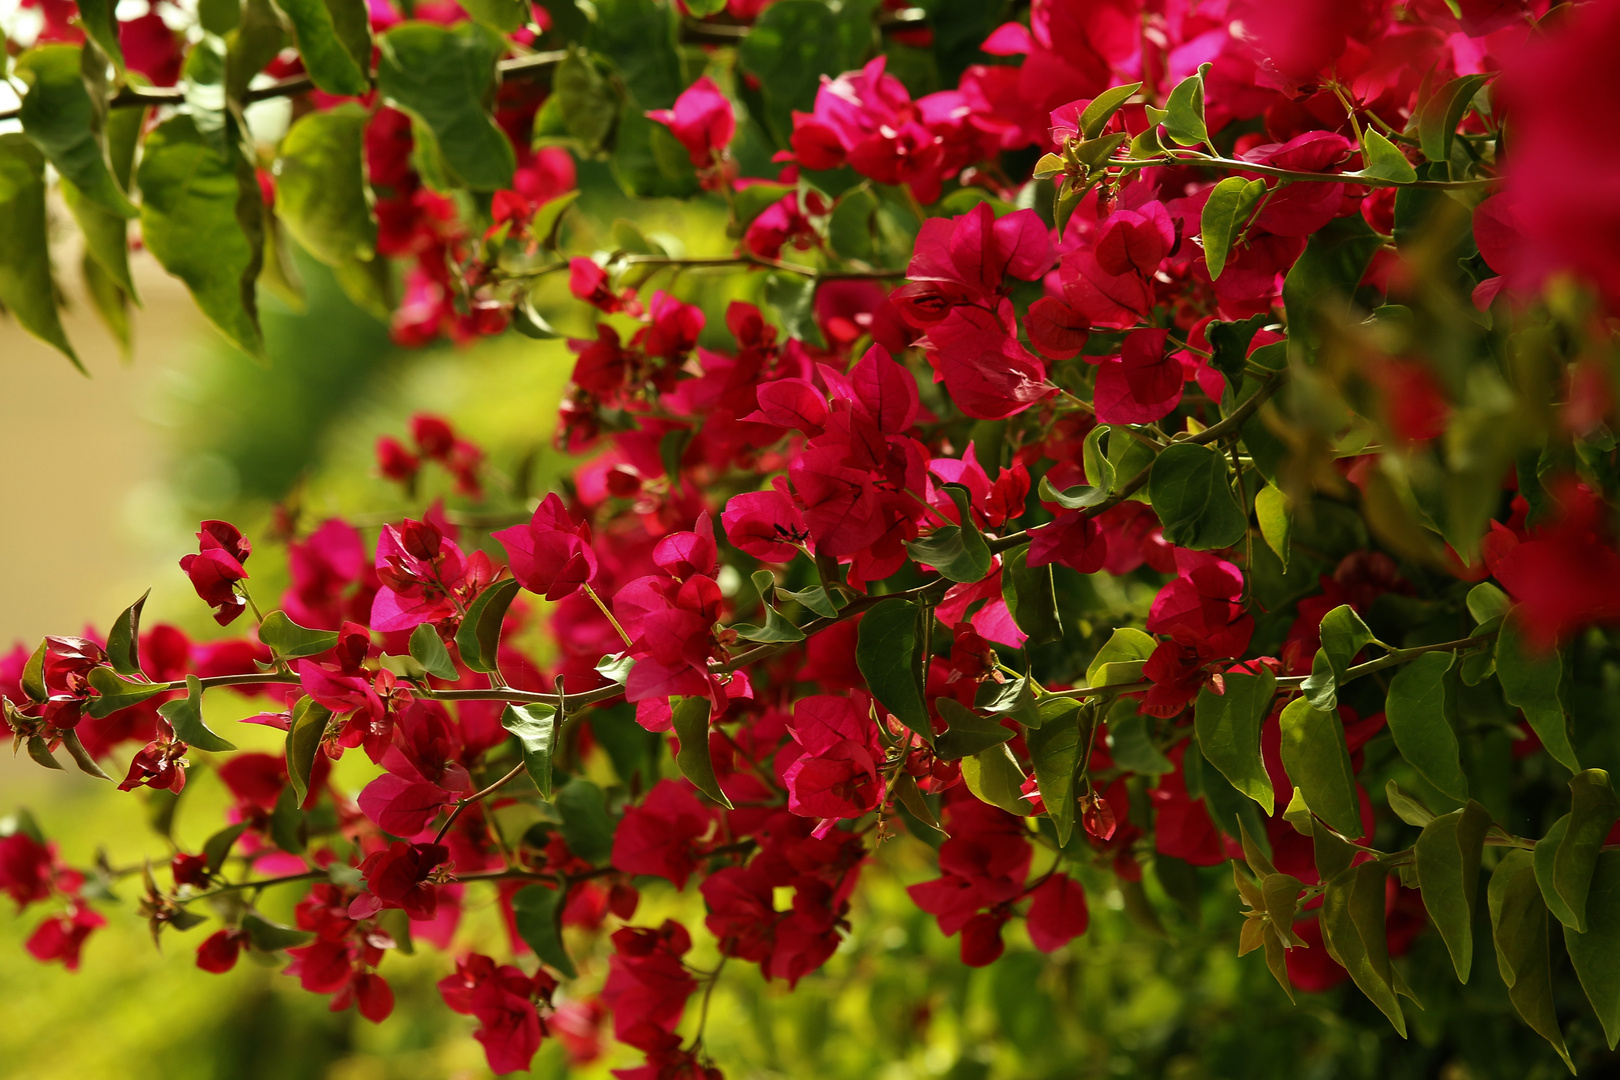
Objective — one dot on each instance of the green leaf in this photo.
(27, 290)
(1055, 749)
(1419, 719)
(1189, 490)
(1544, 856)
(1439, 116)
(1595, 954)
(968, 734)
(58, 115)
(1486, 602)
(321, 193)
(185, 717)
(886, 653)
(193, 209)
(1096, 115)
(1131, 744)
(957, 552)
(1275, 513)
(40, 751)
(1382, 160)
(290, 831)
(124, 639)
(1530, 682)
(777, 628)
(1519, 929)
(585, 823)
(289, 641)
(789, 48)
(1031, 596)
(649, 162)
(304, 737)
(639, 36)
(479, 636)
(427, 649)
(1406, 806)
(814, 599)
(535, 726)
(1343, 636)
(443, 77)
(326, 43)
(995, 778)
(102, 26)
(1353, 932)
(1228, 730)
(502, 15)
(267, 936)
(1593, 811)
(1446, 857)
(589, 103)
(537, 911)
(117, 693)
(1317, 290)
(1184, 111)
(109, 299)
(1097, 466)
(791, 297)
(217, 848)
(33, 676)
(615, 667)
(1120, 659)
(853, 224)
(1225, 213)
(1318, 762)
(82, 757)
(106, 237)
(691, 722)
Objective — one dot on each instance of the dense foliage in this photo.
(1124, 438)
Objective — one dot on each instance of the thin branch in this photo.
(1193, 157)
(475, 797)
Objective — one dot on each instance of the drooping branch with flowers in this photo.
(1100, 456)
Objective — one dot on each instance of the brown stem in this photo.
(477, 796)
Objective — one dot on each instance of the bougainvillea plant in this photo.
(1293, 319)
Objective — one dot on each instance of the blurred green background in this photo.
(103, 483)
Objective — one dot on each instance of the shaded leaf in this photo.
(443, 77)
(116, 693)
(185, 717)
(691, 723)
(217, 848)
(267, 936)
(968, 733)
(585, 822)
(58, 115)
(1189, 491)
(479, 636)
(1595, 954)
(537, 912)
(287, 640)
(1446, 857)
(124, 639)
(1055, 749)
(957, 552)
(1519, 929)
(1275, 513)
(81, 756)
(1130, 743)
(886, 653)
(1318, 762)
(1228, 730)
(26, 287)
(1593, 811)
(1184, 110)
(1031, 596)
(326, 44)
(321, 193)
(1530, 682)
(1353, 931)
(304, 737)
(427, 649)
(194, 208)
(1417, 715)
(535, 726)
